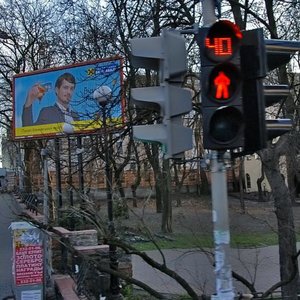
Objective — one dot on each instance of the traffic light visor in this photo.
(222, 41)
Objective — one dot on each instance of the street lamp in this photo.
(103, 95)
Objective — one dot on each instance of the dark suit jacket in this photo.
(48, 115)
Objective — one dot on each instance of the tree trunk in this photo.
(166, 224)
(204, 183)
(286, 231)
(259, 182)
(152, 151)
(177, 186)
(133, 191)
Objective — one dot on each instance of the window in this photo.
(248, 181)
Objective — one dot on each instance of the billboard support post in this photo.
(58, 177)
(20, 168)
(44, 154)
(80, 165)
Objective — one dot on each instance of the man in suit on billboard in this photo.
(60, 112)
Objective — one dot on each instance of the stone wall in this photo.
(85, 243)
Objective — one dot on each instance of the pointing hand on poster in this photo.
(37, 91)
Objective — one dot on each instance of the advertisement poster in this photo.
(68, 100)
(28, 254)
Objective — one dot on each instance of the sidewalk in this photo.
(258, 265)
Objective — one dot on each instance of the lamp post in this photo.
(103, 96)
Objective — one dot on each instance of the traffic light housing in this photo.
(221, 85)
(166, 54)
(258, 57)
(253, 66)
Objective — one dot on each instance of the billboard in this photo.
(53, 102)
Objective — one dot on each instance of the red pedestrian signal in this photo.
(221, 85)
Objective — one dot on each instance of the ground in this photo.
(195, 216)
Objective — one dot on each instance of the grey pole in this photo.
(58, 175)
(224, 288)
(20, 168)
(70, 177)
(208, 11)
(46, 196)
(80, 165)
(44, 154)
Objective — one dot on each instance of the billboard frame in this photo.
(85, 127)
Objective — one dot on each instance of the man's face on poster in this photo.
(65, 92)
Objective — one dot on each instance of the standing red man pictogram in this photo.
(222, 83)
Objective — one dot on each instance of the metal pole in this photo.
(224, 288)
(46, 196)
(223, 271)
(58, 175)
(113, 258)
(80, 166)
(70, 179)
(70, 183)
(20, 169)
(44, 155)
(208, 10)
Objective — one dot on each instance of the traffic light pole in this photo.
(224, 288)
(208, 11)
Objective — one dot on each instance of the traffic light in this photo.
(167, 55)
(258, 56)
(254, 69)
(221, 85)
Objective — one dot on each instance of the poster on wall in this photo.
(28, 255)
(31, 295)
(68, 100)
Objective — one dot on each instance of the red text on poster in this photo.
(29, 265)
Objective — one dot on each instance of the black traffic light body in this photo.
(253, 66)
(258, 57)
(221, 86)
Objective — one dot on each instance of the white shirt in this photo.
(66, 112)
